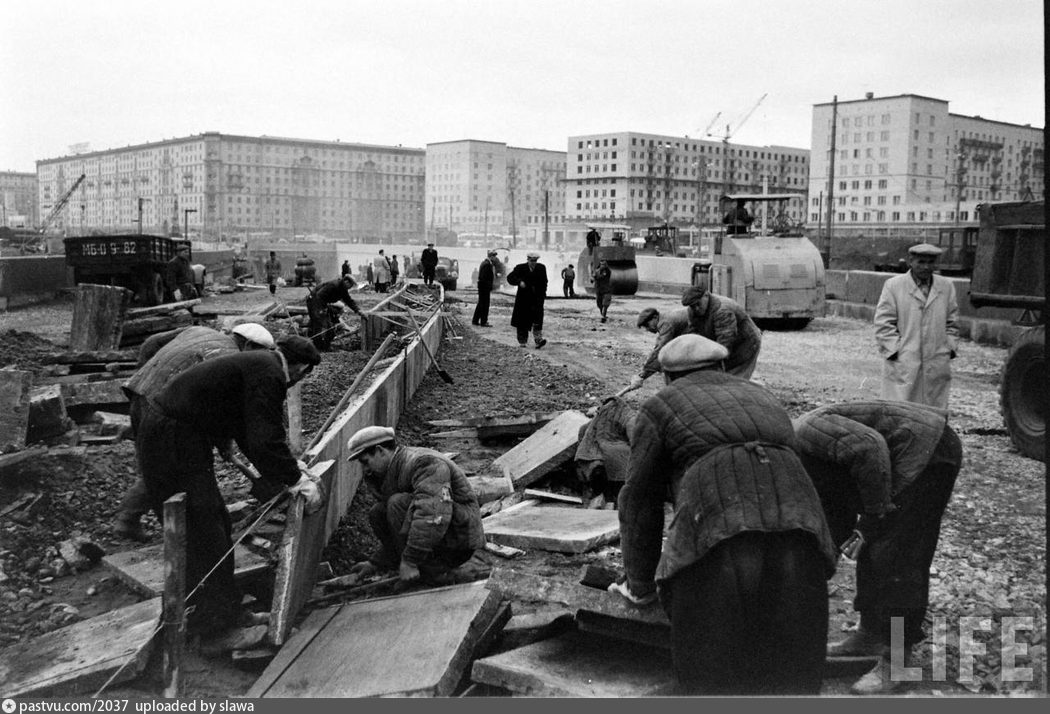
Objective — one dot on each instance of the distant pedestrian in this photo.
(395, 271)
(486, 278)
(428, 264)
(568, 278)
(345, 270)
(272, 270)
(381, 272)
(531, 279)
(603, 287)
(917, 331)
(180, 275)
(593, 239)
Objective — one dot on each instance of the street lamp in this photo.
(186, 221)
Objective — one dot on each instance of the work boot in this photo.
(540, 343)
(859, 643)
(879, 681)
(130, 529)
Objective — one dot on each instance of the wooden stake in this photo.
(294, 405)
(174, 607)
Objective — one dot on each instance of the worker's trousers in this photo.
(481, 312)
(174, 457)
(391, 521)
(750, 617)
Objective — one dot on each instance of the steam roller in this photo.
(621, 263)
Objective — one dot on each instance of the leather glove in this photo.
(623, 590)
(408, 572)
(636, 383)
(363, 570)
(868, 529)
(178, 295)
(310, 491)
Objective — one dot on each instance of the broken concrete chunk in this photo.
(112, 424)
(80, 553)
(47, 413)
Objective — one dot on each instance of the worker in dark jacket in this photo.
(531, 279)
(324, 313)
(239, 397)
(179, 276)
(743, 572)
(885, 472)
(737, 220)
(427, 519)
(162, 357)
(428, 261)
(486, 279)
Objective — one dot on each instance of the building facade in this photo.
(18, 200)
(905, 162)
(642, 179)
(487, 188)
(225, 187)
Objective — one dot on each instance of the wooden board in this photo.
(538, 419)
(562, 530)
(15, 397)
(157, 323)
(170, 307)
(544, 451)
(103, 356)
(579, 665)
(98, 317)
(142, 570)
(77, 659)
(418, 644)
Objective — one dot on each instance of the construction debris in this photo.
(562, 530)
(546, 450)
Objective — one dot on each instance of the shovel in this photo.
(441, 373)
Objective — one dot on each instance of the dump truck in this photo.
(135, 262)
(1009, 272)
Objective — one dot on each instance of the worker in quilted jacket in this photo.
(743, 574)
(427, 520)
(885, 471)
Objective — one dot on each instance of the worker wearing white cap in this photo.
(252, 335)
(743, 572)
(917, 331)
(427, 519)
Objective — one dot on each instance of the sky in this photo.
(530, 73)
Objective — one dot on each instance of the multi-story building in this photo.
(490, 188)
(18, 202)
(640, 179)
(228, 186)
(904, 162)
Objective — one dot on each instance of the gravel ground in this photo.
(990, 560)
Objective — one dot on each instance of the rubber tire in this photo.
(1022, 393)
(155, 290)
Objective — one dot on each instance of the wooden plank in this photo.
(15, 403)
(98, 317)
(77, 659)
(469, 433)
(526, 586)
(551, 496)
(174, 598)
(158, 323)
(170, 307)
(496, 422)
(78, 356)
(142, 570)
(490, 488)
(562, 530)
(47, 413)
(544, 451)
(419, 644)
(294, 408)
(578, 665)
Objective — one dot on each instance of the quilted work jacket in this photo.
(182, 350)
(444, 508)
(722, 449)
(883, 445)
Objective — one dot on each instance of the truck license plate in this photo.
(109, 248)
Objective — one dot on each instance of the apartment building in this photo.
(905, 161)
(18, 200)
(640, 179)
(490, 188)
(224, 186)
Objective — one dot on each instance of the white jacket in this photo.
(923, 332)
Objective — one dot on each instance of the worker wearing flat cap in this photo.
(428, 261)
(713, 316)
(531, 279)
(917, 331)
(240, 397)
(743, 572)
(486, 281)
(427, 518)
(162, 357)
(322, 304)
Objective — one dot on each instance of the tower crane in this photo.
(59, 205)
(730, 131)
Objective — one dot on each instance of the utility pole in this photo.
(546, 219)
(141, 201)
(831, 177)
(960, 173)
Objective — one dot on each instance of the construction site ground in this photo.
(990, 561)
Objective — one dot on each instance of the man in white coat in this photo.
(917, 331)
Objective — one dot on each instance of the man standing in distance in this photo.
(486, 279)
(428, 264)
(531, 279)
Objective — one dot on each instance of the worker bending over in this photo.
(743, 572)
(885, 472)
(427, 519)
(241, 397)
(324, 313)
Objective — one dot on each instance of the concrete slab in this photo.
(562, 530)
(142, 570)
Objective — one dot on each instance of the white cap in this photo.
(254, 332)
(690, 351)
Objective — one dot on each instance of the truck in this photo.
(135, 262)
(1009, 272)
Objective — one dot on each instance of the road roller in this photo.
(615, 248)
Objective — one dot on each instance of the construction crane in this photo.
(730, 131)
(59, 205)
(707, 131)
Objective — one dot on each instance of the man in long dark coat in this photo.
(486, 279)
(531, 279)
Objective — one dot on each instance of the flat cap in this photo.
(925, 249)
(492, 252)
(366, 438)
(693, 294)
(647, 314)
(299, 349)
(532, 254)
(254, 332)
(689, 352)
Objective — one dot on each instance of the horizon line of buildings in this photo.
(899, 161)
